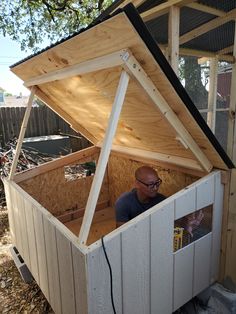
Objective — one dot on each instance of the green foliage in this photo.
(195, 78)
(30, 22)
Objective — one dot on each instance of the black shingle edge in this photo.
(144, 33)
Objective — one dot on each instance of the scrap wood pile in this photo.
(28, 159)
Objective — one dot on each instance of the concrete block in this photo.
(21, 266)
(218, 299)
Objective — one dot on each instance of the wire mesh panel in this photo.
(192, 227)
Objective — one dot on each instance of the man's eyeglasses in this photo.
(151, 185)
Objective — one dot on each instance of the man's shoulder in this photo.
(127, 196)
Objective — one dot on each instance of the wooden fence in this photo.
(42, 121)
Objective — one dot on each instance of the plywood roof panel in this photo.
(86, 100)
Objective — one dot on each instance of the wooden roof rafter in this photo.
(163, 9)
(196, 32)
(222, 56)
(226, 50)
(205, 9)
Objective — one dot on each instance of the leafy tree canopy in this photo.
(30, 22)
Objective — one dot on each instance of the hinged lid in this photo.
(78, 78)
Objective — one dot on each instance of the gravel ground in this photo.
(15, 295)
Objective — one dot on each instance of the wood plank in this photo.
(205, 191)
(185, 203)
(52, 265)
(98, 277)
(22, 225)
(161, 274)
(66, 273)
(104, 156)
(226, 50)
(183, 276)
(33, 250)
(173, 37)
(103, 223)
(162, 9)
(231, 136)
(80, 278)
(54, 164)
(93, 65)
(16, 215)
(212, 95)
(22, 134)
(231, 228)
(136, 280)
(6, 124)
(2, 128)
(10, 213)
(206, 9)
(216, 227)
(41, 251)
(202, 264)
(175, 160)
(205, 53)
(207, 27)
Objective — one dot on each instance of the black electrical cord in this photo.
(111, 279)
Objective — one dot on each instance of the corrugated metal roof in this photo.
(224, 5)
(214, 40)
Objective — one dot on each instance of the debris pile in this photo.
(28, 159)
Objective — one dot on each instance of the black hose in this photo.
(111, 279)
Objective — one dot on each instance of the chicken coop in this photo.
(112, 84)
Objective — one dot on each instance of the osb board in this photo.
(103, 223)
(91, 95)
(57, 195)
(121, 177)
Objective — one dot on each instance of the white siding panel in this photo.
(136, 267)
(52, 264)
(16, 214)
(99, 278)
(80, 277)
(7, 188)
(41, 251)
(66, 273)
(216, 226)
(22, 225)
(183, 275)
(162, 224)
(202, 263)
(33, 266)
(185, 203)
(205, 192)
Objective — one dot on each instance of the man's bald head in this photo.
(145, 171)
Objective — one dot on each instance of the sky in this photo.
(11, 53)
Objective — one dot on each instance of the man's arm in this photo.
(122, 212)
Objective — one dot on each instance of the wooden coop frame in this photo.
(71, 274)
